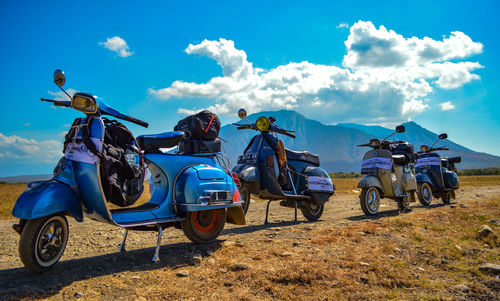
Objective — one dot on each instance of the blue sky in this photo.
(346, 61)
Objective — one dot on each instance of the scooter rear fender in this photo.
(370, 181)
(47, 198)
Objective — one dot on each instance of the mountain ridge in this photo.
(336, 144)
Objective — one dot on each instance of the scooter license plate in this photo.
(320, 184)
(247, 159)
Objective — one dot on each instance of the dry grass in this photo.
(416, 256)
(479, 181)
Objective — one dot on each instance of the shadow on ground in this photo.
(21, 283)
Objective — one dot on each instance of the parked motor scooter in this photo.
(273, 172)
(436, 176)
(188, 191)
(389, 174)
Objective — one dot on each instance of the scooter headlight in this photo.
(424, 148)
(84, 103)
(262, 124)
(374, 143)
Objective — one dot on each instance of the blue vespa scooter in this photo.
(436, 176)
(189, 190)
(273, 172)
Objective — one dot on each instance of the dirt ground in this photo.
(281, 260)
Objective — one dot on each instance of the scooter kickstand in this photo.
(156, 257)
(267, 212)
(296, 212)
(122, 245)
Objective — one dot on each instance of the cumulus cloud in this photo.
(15, 147)
(384, 78)
(118, 45)
(343, 25)
(60, 95)
(446, 106)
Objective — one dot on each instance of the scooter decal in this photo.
(378, 162)
(80, 153)
(319, 184)
(425, 161)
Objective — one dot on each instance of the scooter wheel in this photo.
(43, 241)
(424, 193)
(369, 201)
(245, 197)
(204, 226)
(312, 212)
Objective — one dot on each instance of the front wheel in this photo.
(424, 193)
(312, 212)
(369, 200)
(245, 197)
(204, 226)
(43, 241)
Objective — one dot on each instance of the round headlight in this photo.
(424, 148)
(262, 124)
(374, 143)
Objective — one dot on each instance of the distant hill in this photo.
(336, 144)
(25, 178)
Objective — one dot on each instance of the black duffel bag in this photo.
(204, 125)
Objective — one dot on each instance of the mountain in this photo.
(336, 144)
(25, 178)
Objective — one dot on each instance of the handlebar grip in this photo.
(289, 135)
(58, 103)
(137, 121)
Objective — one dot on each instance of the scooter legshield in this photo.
(48, 198)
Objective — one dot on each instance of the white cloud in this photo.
(118, 45)
(343, 25)
(27, 124)
(15, 147)
(446, 106)
(385, 78)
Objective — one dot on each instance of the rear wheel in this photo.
(245, 197)
(312, 212)
(424, 193)
(43, 241)
(369, 200)
(204, 226)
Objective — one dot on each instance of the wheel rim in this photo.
(314, 209)
(205, 221)
(426, 193)
(51, 241)
(372, 200)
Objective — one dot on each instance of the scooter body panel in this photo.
(47, 198)
(430, 165)
(424, 178)
(377, 165)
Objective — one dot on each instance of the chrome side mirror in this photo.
(59, 78)
(443, 136)
(242, 113)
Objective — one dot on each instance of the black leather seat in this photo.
(162, 140)
(302, 156)
(399, 159)
(188, 147)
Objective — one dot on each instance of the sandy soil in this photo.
(92, 251)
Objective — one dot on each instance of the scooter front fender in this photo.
(247, 173)
(424, 178)
(370, 181)
(48, 198)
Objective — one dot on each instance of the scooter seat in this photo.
(303, 156)
(162, 140)
(399, 159)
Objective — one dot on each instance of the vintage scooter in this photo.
(436, 176)
(188, 191)
(273, 172)
(388, 173)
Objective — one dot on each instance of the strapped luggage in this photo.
(204, 125)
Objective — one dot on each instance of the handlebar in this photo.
(58, 103)
(136, 121)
